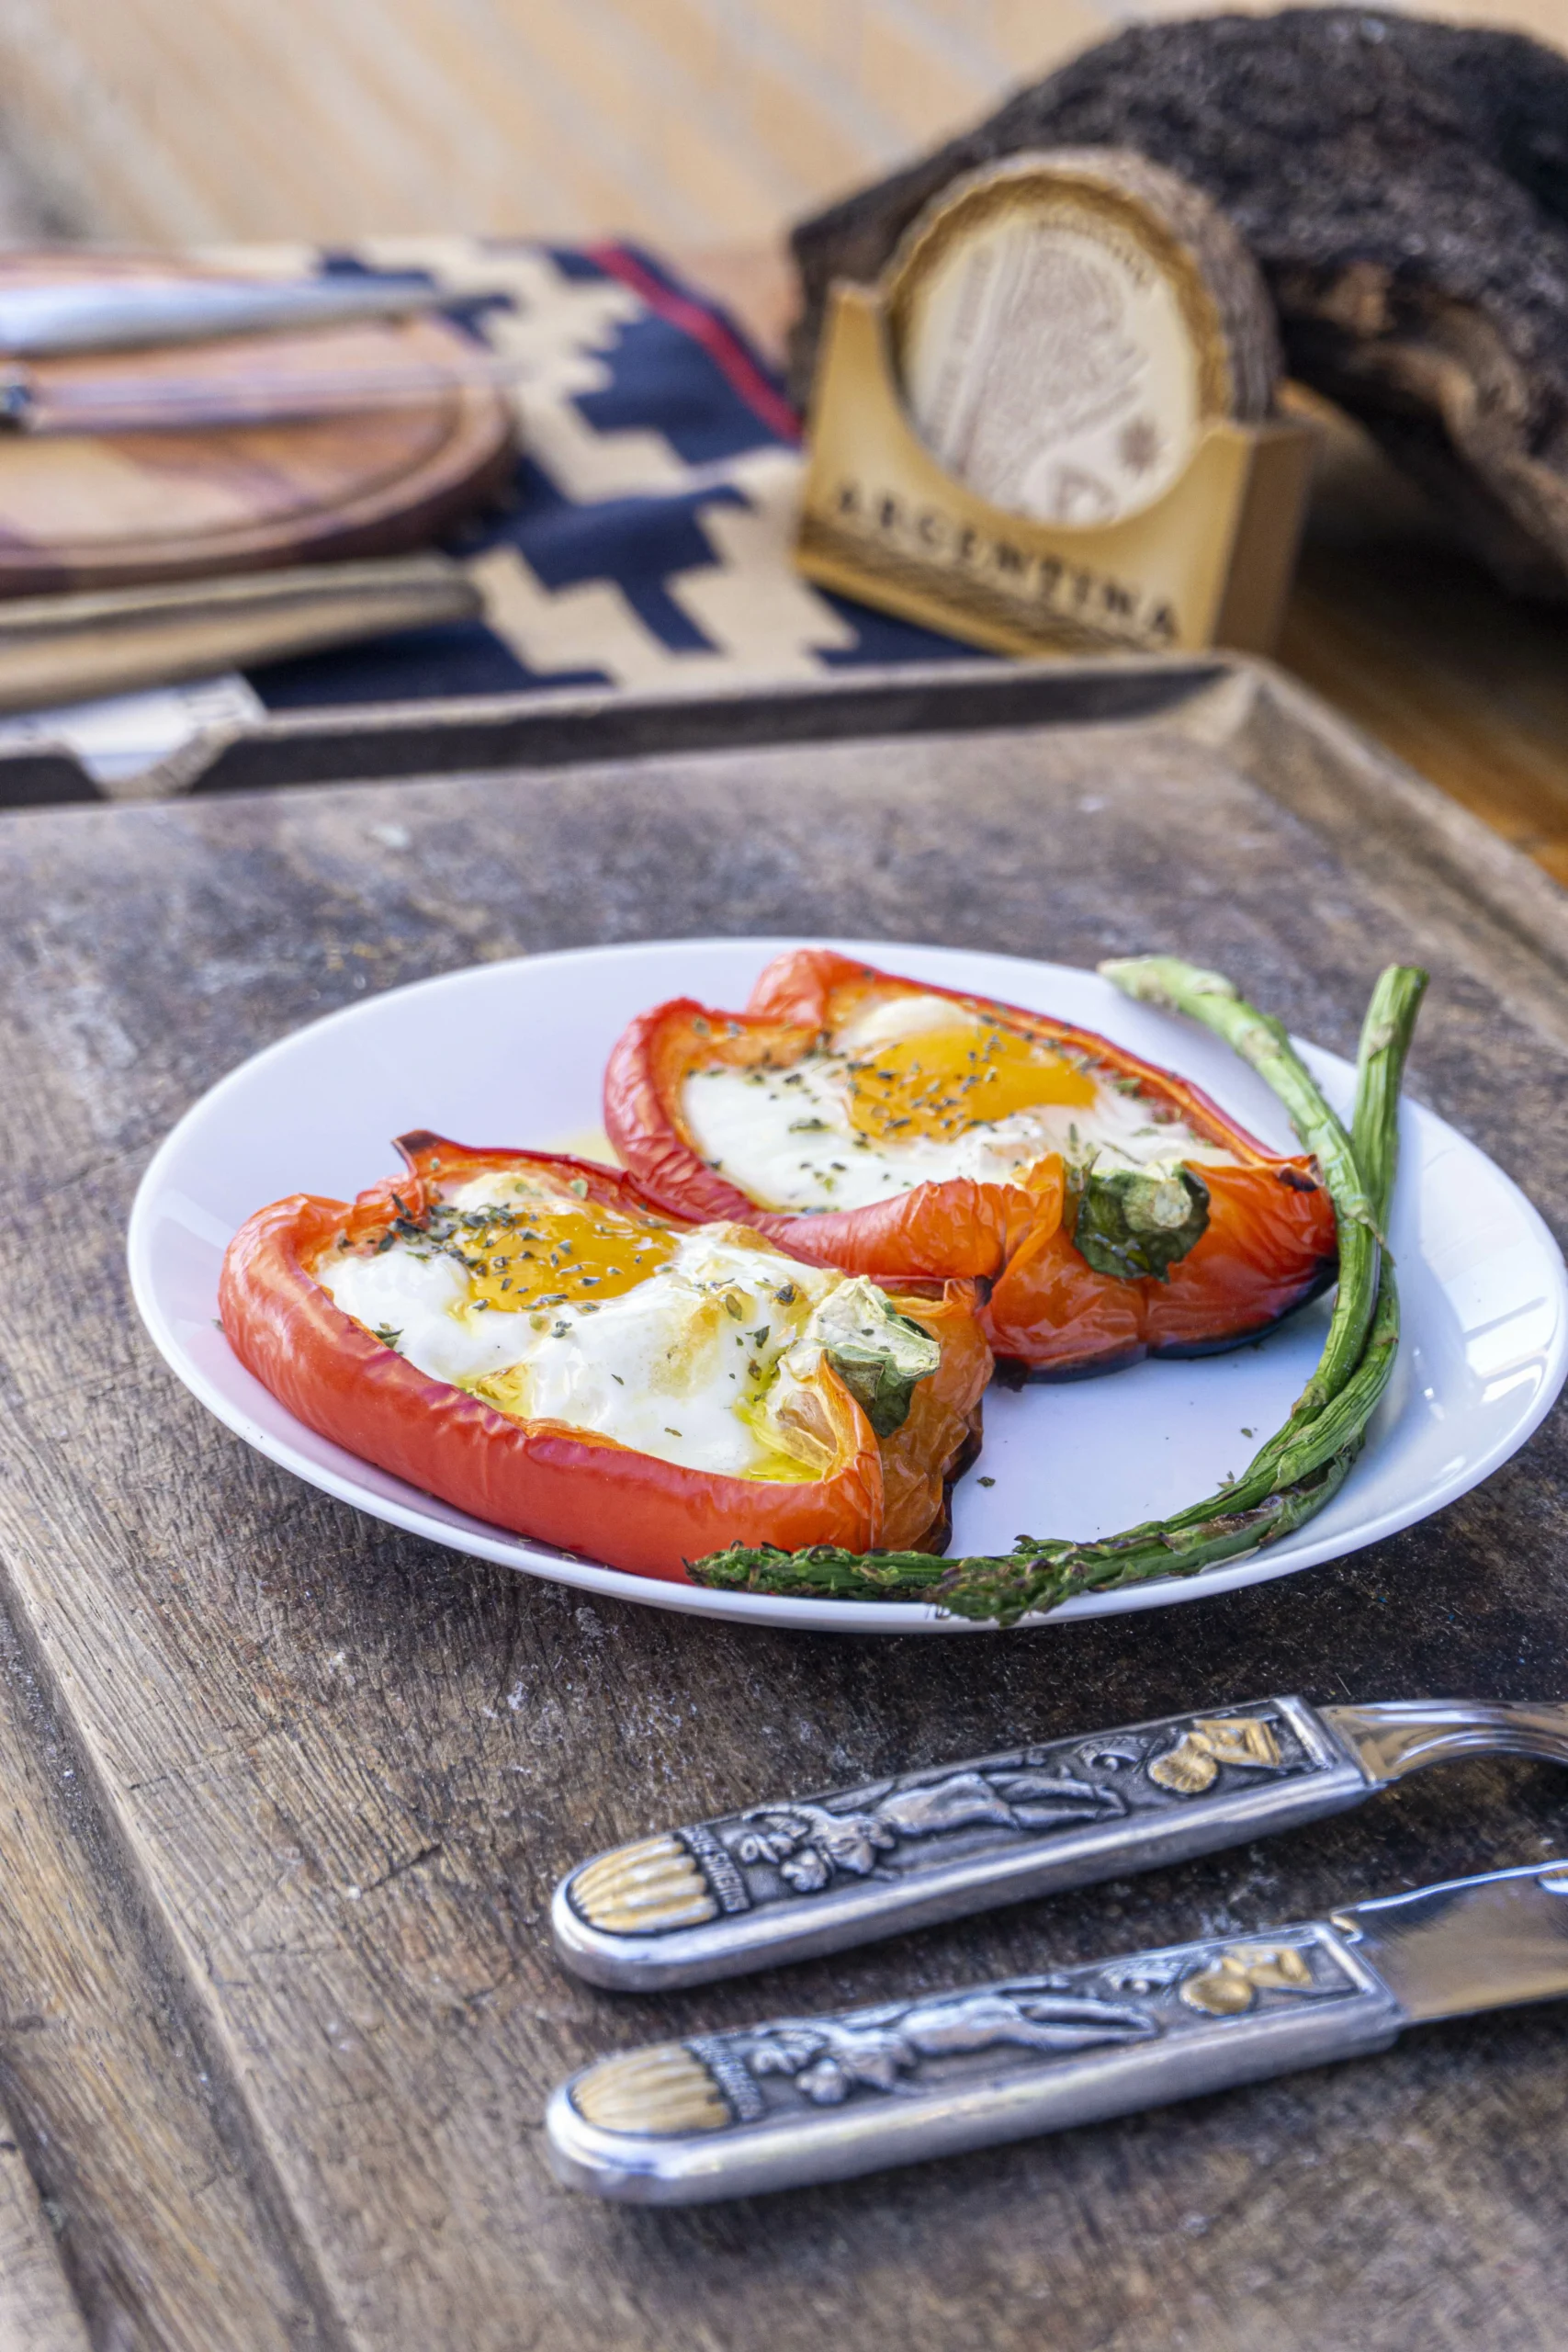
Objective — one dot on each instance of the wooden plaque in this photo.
(1047, 427)
(1064, 325)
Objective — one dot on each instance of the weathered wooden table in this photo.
(285, 1791)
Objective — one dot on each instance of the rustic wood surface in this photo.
(287, 1790)
(116, 2117)
(103, 510)
(1416, 643)
(38, 2312)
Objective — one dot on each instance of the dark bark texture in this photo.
(1405, 186)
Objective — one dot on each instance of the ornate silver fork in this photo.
(781, 1882)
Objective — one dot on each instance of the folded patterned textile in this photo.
(648, 546)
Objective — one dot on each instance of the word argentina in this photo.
(1094, 600)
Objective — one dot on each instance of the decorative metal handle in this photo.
(781, 1882)
(819, 2099)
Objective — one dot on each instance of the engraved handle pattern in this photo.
(821, 2098)
(779, 1882)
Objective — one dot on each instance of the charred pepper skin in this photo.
(1269, 1241)
(569, 1488)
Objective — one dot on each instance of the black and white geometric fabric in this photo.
(648, 546)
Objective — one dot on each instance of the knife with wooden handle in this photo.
(813, 2098)
(783, 1882)
(118, 640)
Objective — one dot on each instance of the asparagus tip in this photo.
(1146, 979)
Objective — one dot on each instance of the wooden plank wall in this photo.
(683, 120)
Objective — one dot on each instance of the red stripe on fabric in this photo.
(723, 346)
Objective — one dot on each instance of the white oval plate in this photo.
(513, 1054)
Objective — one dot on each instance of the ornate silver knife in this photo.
(822, 2098)
(781, 1881)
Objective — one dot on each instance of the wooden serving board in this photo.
(286, 1790)
(104, 511)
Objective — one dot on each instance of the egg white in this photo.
(785, 1138)
(702, 1364)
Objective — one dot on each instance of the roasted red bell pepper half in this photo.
(520, 1334)
(898, 1129)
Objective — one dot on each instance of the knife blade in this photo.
(156, 403)
(41, 322)
(816, 2099)
(783, 1882)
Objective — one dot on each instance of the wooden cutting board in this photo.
(95, 511)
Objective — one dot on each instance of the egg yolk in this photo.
(943, 1080)
(551, 1253)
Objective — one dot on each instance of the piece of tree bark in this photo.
(1404, 186)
